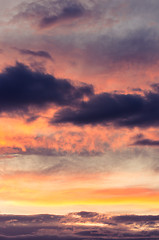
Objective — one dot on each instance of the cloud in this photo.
(50, 13)
(130, 47)
(138, 46)
(146, 142)
(71, 227)
(84, 214)
(32, 119)
(135, 218)
(20, 88)
(42, 54)
(68, 13)
(125, 44)
(53, 237)
(124, 110)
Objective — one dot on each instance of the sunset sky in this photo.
(79, 119)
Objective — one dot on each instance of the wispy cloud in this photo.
(46, 14)
(42, 54)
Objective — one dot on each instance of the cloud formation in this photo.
(84, 156)
(20, 88)
(120, 44)
(134, 46)
(73, 226)
(124, 110)
(73, 10)
(146, 142)
(47, 14)
(42, 54)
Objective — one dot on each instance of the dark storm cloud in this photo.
(20, 87)
(128, 110)
(42, 54)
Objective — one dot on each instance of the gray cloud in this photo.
(64, 227)
(113, 50)
(132, 39)
(122, 110)
(42, 54)
(146, 142)
(73, 10)
(49, 13)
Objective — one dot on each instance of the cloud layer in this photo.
(82, 226)
(79, 118)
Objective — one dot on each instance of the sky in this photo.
(79, 119)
